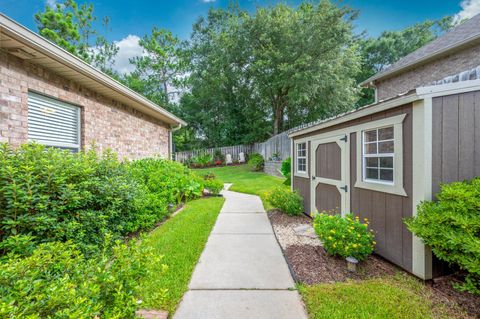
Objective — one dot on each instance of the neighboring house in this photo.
(49, 96)
(382, 160)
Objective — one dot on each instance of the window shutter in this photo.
(52, 122)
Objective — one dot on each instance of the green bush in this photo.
(55, 195)
(256, 161)
(57, 281)
(344, 237)
(286, 201)
(214, 186)
(286, 171)
(451, 227)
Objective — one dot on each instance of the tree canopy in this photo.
(245, 76)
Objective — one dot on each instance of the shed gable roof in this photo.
(460, 36)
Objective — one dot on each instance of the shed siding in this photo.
(385, 211)
(455, 138)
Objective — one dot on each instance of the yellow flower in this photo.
(365, 219)
(374, 242)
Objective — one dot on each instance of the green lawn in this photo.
(397, 297)
(246, 181)
(180, 240)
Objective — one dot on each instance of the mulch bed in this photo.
(312, 265)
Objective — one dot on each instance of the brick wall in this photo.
(432, 71)
(107, 123)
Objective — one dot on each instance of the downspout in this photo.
(170, 137)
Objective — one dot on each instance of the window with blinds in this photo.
(53, 123)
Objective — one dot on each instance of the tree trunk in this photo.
(277, 119)
(165, 89)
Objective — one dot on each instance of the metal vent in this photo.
(52, 122)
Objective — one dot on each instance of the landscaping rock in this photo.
(305, 230)
(151, 314)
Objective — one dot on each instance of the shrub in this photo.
(209, 175)
(256, 161)
(286, 201)
(214, 186)
(55, 195)
(57, 281)
(451, 227)
(344, 237)
(286, 171)
(218, 157)
(203, 160)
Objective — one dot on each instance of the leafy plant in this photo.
(286, 201)
(286, 170)
(57, 281)
(344, 237)
(451, 227)
(256, 161)
(214, 186)
(55, 195)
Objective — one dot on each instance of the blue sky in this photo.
(133, 18)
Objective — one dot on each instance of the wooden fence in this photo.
(278, 145)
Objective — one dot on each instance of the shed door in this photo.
(330, 179)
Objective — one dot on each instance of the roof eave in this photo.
(62, 56)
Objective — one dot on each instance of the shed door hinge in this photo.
(345, 138)
(345, 188)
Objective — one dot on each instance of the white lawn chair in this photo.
(241, 158)
(228, 159)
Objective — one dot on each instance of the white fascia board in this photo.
(50, 49)
(381, 106)
(447, 89)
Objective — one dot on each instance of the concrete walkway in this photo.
(242, 272)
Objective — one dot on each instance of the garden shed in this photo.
(381, 161)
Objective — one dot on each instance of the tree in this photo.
(161, 67)
(71, 26)
(254, 75)
(381, 52)
(303, 60)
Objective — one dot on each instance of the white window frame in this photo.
(298, 172)
(377, 155)
(395, 187)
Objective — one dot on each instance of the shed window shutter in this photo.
(52, 122)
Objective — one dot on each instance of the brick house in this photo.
(49, 96)
(382, 160)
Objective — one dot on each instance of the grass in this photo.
(180, 240)
(395, 297)
(246, 181)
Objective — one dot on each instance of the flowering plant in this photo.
(344, 236)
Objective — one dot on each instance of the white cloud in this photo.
(127, 48)
(51, 3)
(208, 1)
(470, 8)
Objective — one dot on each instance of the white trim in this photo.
(368, 110)
(397, 186)
(422, 180)
(55, 52)
(307, 168)
(292, 164)
(449, 88)
(421, 93)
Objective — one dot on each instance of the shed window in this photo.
(53, 123)
(302, 157)
(378, 155)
